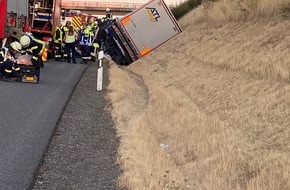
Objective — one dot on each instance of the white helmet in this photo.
(16, 46)
(108, 10)
(29, 33)
(25, 41)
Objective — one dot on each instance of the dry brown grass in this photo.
(210, 109)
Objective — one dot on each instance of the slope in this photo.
(210, 109)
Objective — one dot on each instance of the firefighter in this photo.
(95, 46)
(70, 45)
(81, 36)
(57, 39)
(85, 40)
(109, 15)
(93, 23)
(65, 29)
(33, 47)
(8, 64)
(94, 50)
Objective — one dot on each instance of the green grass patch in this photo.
(186, 7)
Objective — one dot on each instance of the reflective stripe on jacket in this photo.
(86, 37)
(57, 36)
(35, 49)
(3, 53)
(70, 39)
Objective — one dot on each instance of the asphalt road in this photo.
(29, 115)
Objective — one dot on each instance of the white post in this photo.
(100, 71)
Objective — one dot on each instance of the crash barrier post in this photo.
(100, 71)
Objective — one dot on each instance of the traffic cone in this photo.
(44, 54)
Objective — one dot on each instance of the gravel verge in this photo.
(83, 151)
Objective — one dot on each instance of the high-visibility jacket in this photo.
(93, 25)
(70, 39)
(57, 36)
(64, 31)
(3, 53)
(34, 49)
(8, 62)
(86, 37)
(95, 48)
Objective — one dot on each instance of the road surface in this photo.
(29, 116)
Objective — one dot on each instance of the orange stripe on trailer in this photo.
(126, 20)
(145, 51)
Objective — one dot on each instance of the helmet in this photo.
(28, 33)
(16, 46)
(108, 10)
(25, 41)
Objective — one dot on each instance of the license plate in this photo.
(30, 78)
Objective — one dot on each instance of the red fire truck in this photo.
(36, 16)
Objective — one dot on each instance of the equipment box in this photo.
(29, 74)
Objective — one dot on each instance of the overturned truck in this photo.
(135, 35)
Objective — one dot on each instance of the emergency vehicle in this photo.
(38, 17)
(31, 17)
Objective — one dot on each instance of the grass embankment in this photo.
(210, 109)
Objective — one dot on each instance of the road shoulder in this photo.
(83, 151)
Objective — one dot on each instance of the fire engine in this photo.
(38, 17)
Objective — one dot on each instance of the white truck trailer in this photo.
(138, 33)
